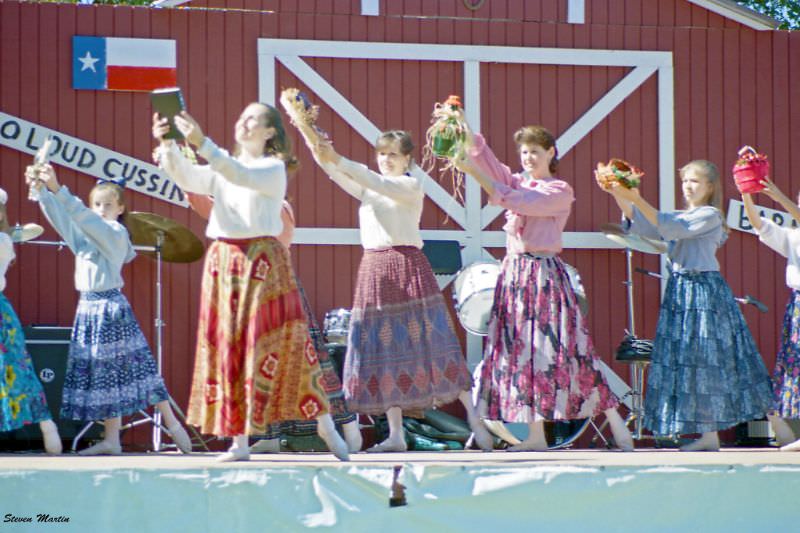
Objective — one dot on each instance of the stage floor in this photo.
(737, 489)
(585, 458)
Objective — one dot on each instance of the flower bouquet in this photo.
(303, 114)
(446, 133)
(749, 170)
(620, 171)
(444, 140)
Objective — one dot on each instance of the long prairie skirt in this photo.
(786, 376)
(330, 382)
(706, 372)
(402, 348)
(110, 369)
(255, 362)
(539, 362)
(22, 399)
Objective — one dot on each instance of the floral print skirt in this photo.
(786, 376)
(539, 362)
(22, 399)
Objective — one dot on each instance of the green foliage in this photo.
(787, 12)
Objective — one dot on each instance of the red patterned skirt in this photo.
(402, 348)
(255, 361)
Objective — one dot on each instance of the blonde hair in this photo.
(708, 170)
(118, 191)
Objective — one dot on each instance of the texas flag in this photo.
(122, 64)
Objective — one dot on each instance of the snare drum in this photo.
(336, 326)
(473, 294)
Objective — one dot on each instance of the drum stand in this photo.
(638, 367)
(155, 418)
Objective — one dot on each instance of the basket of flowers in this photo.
(618, 171)
(303, 114)
(749, 170)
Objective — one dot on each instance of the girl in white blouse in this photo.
(402, 351)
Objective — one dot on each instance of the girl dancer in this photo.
(539, 362)
(256, 363)
(706, 373)
(110, 370)
(786, 376)
(402, 351)
(22, 399)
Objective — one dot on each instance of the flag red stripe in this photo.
(139, 78)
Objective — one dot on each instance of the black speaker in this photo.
(444, 256)
(49, 348)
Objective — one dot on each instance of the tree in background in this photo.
(787, 12)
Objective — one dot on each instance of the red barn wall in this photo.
(733, 86)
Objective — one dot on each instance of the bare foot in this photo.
(536, 445)
(102, 448)
(389, 445)
(706, 443)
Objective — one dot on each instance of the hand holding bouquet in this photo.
(618, 171)
(303, 114)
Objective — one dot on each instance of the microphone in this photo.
(648, 273)
(752, 301)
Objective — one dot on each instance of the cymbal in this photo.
(25, 233)
(615, 233)
(179, 244)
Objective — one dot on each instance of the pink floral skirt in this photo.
(539, 362)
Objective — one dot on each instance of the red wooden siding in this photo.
(733, 86)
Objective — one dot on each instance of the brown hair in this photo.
(540, 136)
(279, 144)
(403, 138)
(710, 171)
(118, 191)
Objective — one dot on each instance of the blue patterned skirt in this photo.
(786, 376)
(402, 350)
(706, 373)
(22, 399)
(110, 370)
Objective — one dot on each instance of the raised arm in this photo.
(772, 190)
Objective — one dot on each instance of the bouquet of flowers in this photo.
(303, 114)
(446, 133)
(619, 170)
(750, 169)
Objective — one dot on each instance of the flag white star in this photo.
(88, 62)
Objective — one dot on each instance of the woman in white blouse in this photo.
(402, 351)
(255, 362)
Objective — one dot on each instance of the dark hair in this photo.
(279, 144)
(118, 191)
(540, 136)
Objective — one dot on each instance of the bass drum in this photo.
(558, 434)
(473, 295)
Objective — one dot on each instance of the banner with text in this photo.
(737, 217)
(90, 159)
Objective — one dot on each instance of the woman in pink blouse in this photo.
(539, 361)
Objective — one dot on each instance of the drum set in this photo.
(162, 239)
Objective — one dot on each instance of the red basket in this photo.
(749, 170)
